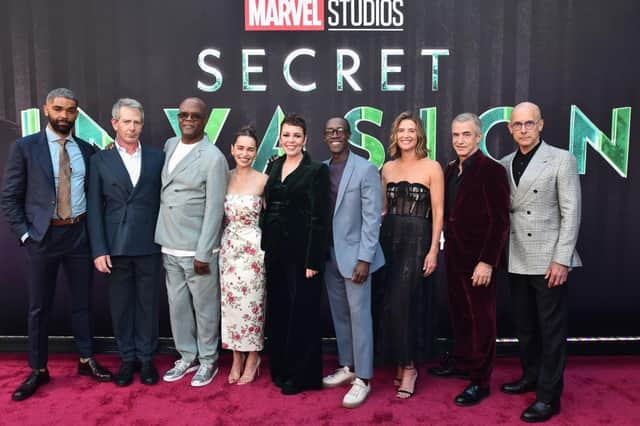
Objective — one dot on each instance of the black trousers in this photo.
(293, 324)
(541, 317)
(65, 246)
(134, 292)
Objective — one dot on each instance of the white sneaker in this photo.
(340, 377)
(179, 370)
(357, 394)
(204, 375)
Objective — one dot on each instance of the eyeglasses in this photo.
(190, 116)
(518, 125)
(338, 131)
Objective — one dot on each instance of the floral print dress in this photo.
(242, 275)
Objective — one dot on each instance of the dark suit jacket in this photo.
(122, 218)
(296, 219)
(29, 193)
(476, 227)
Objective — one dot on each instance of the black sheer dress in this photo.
(401, 295)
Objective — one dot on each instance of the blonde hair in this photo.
(421, 145)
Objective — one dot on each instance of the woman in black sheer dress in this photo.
(413, 195)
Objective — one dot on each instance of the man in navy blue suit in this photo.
(44, 201)
(123, 202)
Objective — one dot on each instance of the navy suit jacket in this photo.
(29, 194)
(122, 218)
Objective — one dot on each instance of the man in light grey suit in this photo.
(354, 254)
(194, 182)
(545, 219)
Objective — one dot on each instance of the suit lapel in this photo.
(469, 178)
(43, 156)
(344, 180)
(119, 170)
(186, 161)
(536, 166)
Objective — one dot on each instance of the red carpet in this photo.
(598, 391)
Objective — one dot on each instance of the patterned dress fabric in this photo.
(242, 275)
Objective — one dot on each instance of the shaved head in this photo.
(528, 107)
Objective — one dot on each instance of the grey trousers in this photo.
(351, 312)
(194, 308)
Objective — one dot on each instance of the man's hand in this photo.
(556, 274)
(201, 268)
(310, 273)
(481, 275)
(360, 272)
(430, 263)
(103, 263)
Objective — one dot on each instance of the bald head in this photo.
(525, 125)
(528, 107)
(192, 119)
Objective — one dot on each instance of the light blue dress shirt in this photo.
(78, 171)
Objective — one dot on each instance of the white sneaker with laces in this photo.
(341, 376)
(204, 375)
(179, 370)
(357, 394)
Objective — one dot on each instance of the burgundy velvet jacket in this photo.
(476, 227)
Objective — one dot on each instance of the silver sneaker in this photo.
(341, 376)
(179, 370)
(357, 394)
(204, 375)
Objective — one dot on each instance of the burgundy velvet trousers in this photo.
(473, 321)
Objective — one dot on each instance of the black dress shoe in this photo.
(449, 371)
(472, 395)
(148, 373)
(540, 411)
(523, 385)
(93, 369)
(290, 387)
(29, 386)
(125, 374)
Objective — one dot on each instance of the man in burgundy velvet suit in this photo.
(475, 228)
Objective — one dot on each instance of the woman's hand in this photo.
(430, 263)
(310, 273)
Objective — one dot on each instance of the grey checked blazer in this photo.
(545, 212)
(192, 200)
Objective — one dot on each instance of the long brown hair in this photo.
(421, 145)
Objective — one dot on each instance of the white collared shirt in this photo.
(132, 162)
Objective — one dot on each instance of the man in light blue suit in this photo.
(354, 254)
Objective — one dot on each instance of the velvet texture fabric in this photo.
(476, 230)
(295, 237)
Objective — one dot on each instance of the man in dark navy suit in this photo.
(44, 201)
(123, 202)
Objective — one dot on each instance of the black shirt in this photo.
(521, 161)
(454, 180)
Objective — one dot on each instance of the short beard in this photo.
(64, 130)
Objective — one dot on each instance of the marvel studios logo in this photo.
(318, 15)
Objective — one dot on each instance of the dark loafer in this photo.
(290, 387)
(91, 368)
(125, 374)
(540, 411)
(148, 373)
(523, 385)
(34, 380)
(472, 395)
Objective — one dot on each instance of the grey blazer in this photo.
(545, 212)
(192, 200)
(357, 215)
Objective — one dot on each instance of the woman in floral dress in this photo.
(242, 276)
